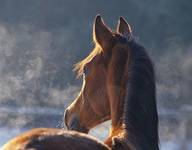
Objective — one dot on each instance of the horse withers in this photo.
(54, 139)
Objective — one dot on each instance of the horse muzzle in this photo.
(72, 123)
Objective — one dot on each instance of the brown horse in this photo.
(118, 84)
(54, 139)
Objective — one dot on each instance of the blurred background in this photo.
(41, 40)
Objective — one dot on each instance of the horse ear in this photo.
(101, 33)
(124, 28)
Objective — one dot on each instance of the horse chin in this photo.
(83, 130)
(75, 126)
(79, 129)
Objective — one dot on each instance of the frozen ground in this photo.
(174, 129)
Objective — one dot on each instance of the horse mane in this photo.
(79, 67)
(140, 111)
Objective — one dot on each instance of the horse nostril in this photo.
(65, 118)
(72, 122)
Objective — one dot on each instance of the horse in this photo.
(118, 84)
(54, 139)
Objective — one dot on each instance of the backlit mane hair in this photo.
(79, 67)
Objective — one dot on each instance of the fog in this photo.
(41, 40)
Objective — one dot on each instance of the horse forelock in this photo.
(79, 67)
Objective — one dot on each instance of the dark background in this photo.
(40, 40)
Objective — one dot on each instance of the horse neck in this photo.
(140, 112)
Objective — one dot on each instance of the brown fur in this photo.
(53, 139)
